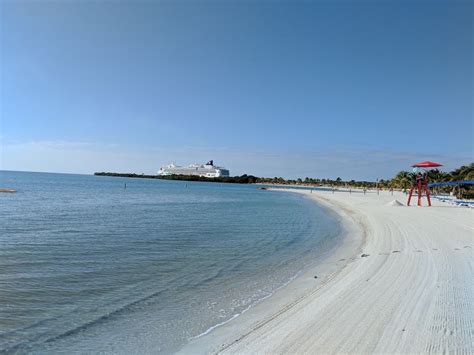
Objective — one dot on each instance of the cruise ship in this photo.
(206, 170)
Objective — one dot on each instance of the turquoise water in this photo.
(86, 265)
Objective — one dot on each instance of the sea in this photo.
(109, 264)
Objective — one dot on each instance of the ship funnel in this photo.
(210, 162)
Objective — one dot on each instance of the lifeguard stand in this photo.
(420, 181)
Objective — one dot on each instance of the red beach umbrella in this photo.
(426, 164)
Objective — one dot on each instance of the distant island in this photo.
(243, 179)
(402, 180)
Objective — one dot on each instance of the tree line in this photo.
(403, 180)
(243, 179)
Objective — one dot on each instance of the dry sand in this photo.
(409, 288)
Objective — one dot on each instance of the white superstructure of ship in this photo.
(206, 170)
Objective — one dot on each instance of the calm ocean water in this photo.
(86, 265)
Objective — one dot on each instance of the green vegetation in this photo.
(244, 179)
(318, 182)
(402, 180)
(466, 172)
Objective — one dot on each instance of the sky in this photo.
(350, 89)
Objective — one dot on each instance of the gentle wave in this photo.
(83, 261)
(210, 329)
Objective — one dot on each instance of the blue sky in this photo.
(357, 89)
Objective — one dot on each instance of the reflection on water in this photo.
(88, 265)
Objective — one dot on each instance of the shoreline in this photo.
(410, 290)
(325, 267)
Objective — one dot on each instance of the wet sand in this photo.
(402, 282)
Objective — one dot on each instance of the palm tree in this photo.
(402, 180)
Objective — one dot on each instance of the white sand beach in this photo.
(402, 282)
